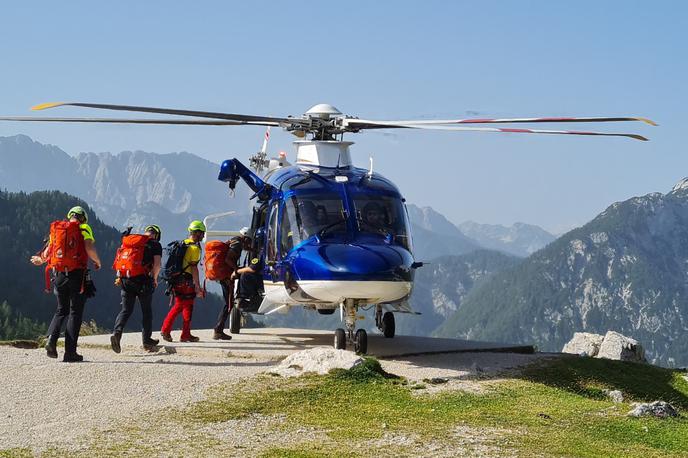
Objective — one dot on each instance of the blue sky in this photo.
(378, 60)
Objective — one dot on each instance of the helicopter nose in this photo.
(339, 261)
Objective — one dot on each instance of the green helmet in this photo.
(74, 211)
(153, 228)
(196, 226)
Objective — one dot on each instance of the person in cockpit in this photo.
(374, 218)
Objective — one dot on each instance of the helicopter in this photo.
(331, 236)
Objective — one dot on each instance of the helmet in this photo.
(243, 231)
(77, 211)
(196, 226)
(154, 228)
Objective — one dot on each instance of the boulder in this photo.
(319, 360)
(620, 347)
(615, 396)
(584, 344)
(659, 409)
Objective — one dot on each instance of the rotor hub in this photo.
(323, 111)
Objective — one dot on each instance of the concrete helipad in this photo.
(281, 342)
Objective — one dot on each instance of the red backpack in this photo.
(129, 258)
(216, 267)
(67, 250)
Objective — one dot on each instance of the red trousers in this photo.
(183, 306)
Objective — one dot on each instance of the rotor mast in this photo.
(323, 149)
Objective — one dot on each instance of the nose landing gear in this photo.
(358, 338)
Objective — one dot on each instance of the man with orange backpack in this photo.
(67, 252)
(221, 261)
(137, 264)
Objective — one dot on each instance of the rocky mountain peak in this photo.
(680, 187)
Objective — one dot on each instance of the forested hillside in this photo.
(24, 222)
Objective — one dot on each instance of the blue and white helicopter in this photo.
(332, 236)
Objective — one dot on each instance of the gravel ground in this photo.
(47, 403)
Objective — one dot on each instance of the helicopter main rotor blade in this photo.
(172, 111)
(370, 124)
(517, 131)
(190, 122)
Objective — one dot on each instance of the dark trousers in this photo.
(228, 294)
(250, 285)
(70, 307)
(144, 292)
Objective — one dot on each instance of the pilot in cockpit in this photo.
(374, 218)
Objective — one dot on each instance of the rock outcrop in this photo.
(617, 346)
(610, 346)
(584, 344)
(659, 409)
(319, 360)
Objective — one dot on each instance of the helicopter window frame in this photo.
(286, 232)
(260, 214)
(272, 243)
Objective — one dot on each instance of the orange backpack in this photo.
(129, 258)
(67, 250)
(216, 267)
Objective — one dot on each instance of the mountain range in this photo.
(125, 189)
(626, 270)
(137, 188)
(520, 239)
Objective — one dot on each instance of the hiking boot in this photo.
(189, 339)
(115, 342)
(151, 342)
(72, 358)
(151, 345)
(51, 350)
(221, 336)
(166, 336)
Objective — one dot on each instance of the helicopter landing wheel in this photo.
(388, 326)
(235, 320)
(339, 339)
(361, 342)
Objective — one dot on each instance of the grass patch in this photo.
(557, 407)
(19, 343)
(591, 377)
(15, 453)
(554, 408)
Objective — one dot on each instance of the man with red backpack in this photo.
(137, 264)
(67, 252)
(221, 261)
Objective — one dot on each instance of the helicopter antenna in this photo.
(370, 172)
(259, 161)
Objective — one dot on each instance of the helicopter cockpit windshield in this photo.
(317, 214)
(383, 216)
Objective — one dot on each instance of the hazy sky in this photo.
(378, 60)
